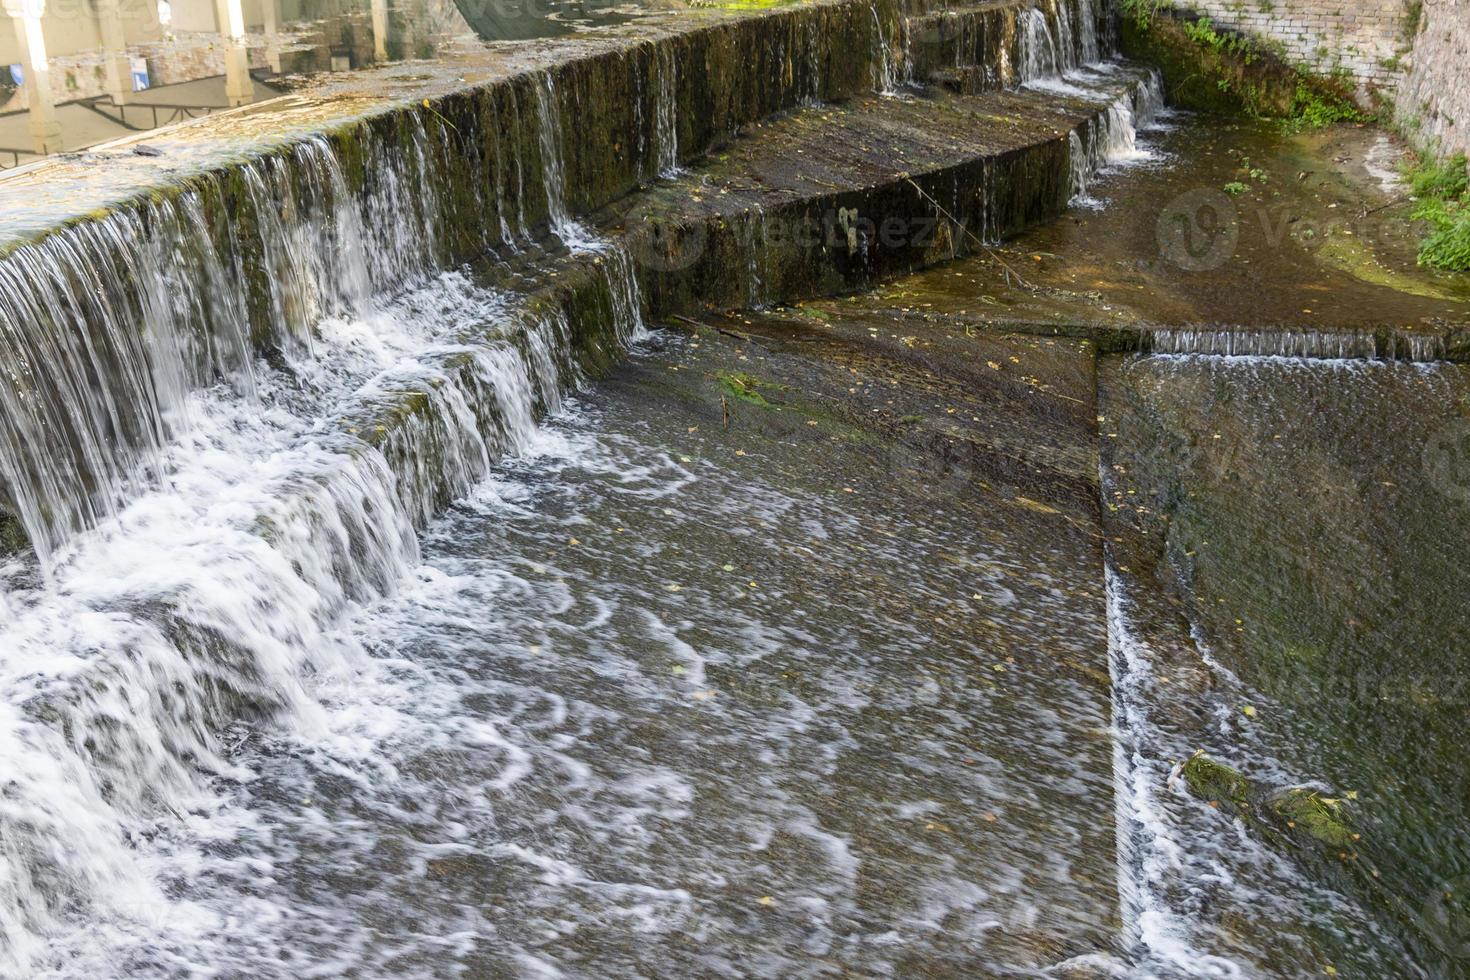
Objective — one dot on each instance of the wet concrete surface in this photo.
(794, 667)
(1311, 240)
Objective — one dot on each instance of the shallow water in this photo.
(652, 706)
(709, 677)
(1295, 614)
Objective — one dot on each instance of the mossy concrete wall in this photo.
(1361, 39)
(1210, 79)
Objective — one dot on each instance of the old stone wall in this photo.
(1414, 54)
(1364, 38)
(1433, 101)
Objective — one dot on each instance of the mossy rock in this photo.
(1317, 815)
(1297, 818)
(743, 387)
(1216, 783)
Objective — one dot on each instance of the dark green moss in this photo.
(1210, 69)
(1216, 783)
(743, 387)
(1315, 814)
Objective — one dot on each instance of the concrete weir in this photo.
(256, 358)
(243, 230)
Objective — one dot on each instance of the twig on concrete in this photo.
(977, 240)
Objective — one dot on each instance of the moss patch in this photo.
(1212, 69)
(743, 387)
(1318, 815)
(1215, 782)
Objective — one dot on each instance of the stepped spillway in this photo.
(247, 373)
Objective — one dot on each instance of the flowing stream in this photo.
(290, 690)
(1310, 518)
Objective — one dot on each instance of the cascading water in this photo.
(1056, 39)
(889, 54)
(1041, 58)
(94, 399)
(666, 135)
(228, 510)
(1091, 48)
(1311, 344)
(553, 166)
(1112, 138)
(204, 517)
(1216, 468)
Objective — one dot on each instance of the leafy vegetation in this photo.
(1442, 193)
(1317, 108)
(1445, 179)
(1142, 11)
(1219, 68)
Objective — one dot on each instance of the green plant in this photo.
(1445, 179)
(1441, 189)
(1202, 32)
(1447, 246)
(1317, 109)
(1142, 11)
(1413, 19)
(1235, 188)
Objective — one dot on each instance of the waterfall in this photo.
(553, 166)
(276, 510)
(1112, 138)
(1053, 45)
(1309, 344)
(108, 325)
(204, 515)
(1066, 40)
(888, 49)
(1039, 57)
(1266, 343)
(667, 104)
(1155, 936)
(1090, 46)
(811, 44)
(1082, 166)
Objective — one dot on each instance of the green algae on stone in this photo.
(1215, 782)
(744, 387)
(1318, 815)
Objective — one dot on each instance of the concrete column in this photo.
(272, 34)
(115, 49)
(41, 107)
(380, 29)
(239, 88)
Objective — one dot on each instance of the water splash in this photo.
(107, 326)
(1111, 138)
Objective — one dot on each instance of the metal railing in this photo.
(157, 113)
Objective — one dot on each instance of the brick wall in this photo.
(1433, 101)
(1362, 37)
